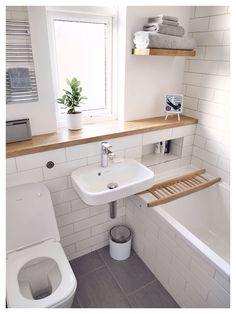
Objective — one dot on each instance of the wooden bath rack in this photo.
(172, 189)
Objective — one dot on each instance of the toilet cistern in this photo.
(106, 154)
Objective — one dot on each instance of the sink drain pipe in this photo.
(113, 205)
(113, 209)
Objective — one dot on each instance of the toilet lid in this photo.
(30, 216)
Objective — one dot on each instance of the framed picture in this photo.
(173, 105)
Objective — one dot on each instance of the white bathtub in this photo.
(185, 243)
(203, 218)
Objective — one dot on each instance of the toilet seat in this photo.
(16, 260)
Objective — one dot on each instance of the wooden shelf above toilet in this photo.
(162, 52)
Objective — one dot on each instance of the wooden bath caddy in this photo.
(172, 189)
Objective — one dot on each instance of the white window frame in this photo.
(110, 112)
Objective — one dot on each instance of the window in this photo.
(82, 48)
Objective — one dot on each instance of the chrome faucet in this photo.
(106, 154)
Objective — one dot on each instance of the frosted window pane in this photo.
(81, 53)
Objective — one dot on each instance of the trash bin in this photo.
(120, 242)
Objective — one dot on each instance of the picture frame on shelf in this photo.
(173, 105)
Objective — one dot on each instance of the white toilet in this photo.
(38, 273)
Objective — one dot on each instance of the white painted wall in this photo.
(206, 85)
(41, 113)
(148, 79)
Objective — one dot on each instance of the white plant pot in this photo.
(74, 121)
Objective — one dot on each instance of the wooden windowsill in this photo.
(93, 132)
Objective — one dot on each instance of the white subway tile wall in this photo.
(206, 86)
(22, 177)
(84, 228)
(10, 165)
(37, 160)
(191, 279)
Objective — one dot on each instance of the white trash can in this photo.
(120, 242)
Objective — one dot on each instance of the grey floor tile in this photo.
(98, 289)
(86, 263)
(75, 303)
(153, 295)
(131, 274)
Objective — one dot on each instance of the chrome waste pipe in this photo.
(113, 209)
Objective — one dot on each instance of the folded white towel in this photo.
(164, 29)
(155, 40)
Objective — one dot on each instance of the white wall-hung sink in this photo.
(96, 185)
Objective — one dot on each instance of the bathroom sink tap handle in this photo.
(111, 155)
(105, 146)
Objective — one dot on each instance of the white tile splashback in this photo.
(63, 169)
(37, 160)
(82, 151)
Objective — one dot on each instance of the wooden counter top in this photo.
(93, 132)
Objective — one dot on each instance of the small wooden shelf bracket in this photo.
(178, 187)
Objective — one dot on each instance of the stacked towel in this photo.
(155, 40)
(162, 17)
(164, 29)
(164, 24)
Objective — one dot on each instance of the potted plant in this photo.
(71, 100)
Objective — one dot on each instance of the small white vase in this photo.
(74, 121)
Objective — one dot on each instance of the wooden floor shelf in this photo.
(170, 190)
(162, 52)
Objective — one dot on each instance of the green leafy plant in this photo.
(73, 98)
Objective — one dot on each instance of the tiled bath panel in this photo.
(85, 228)
(106, 283)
